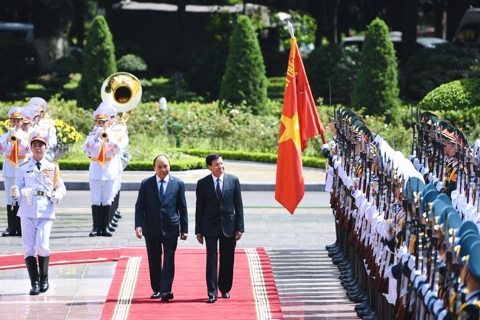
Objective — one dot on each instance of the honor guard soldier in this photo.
(101, 147)
(471, 278)
(38, 186)
(14, 148)
(453, 140)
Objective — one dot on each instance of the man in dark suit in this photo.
(161, 215)
(219, 218)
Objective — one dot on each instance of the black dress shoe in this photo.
(212, 299)
(155, 295)
(226, 295)
(331, 246)
(362, 306)
(166, 296)
(365, 312)
(8, 233)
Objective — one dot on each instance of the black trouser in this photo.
(225, 272)
(161, 278)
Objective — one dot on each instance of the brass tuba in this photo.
(123, 90)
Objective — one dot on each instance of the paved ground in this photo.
(306, 280)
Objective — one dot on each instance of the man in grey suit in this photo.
(219, 219)
(161, 216)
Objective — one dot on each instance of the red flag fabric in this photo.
(13, 157)
(299, 122)
(102, 155)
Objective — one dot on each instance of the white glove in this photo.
(388, 272)
(416, 163)
(437, 306)
(411, 262)
(428, 295)
(15, 192)
(336, 164)
(439, 186)
(55, 198)
(405, 257)
(424, 171)
(442, 315)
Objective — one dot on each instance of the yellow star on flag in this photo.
(292, 130)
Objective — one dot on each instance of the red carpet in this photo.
(253, 296)
(129, 296)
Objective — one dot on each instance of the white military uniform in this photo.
(103, 170)
(36, 210)
(11, 162)
(46, 126)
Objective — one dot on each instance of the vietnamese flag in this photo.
(299, 122)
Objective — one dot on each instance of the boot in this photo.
(32, 269)
(117, 212)
(96, 217)
(105, 210)
(18, 224)
(111, 223)
(10, 231)
(43, 268)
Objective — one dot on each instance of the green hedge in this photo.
(197, 161)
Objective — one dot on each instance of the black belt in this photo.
(39, 193)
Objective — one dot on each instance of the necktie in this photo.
(162, 192)
(218, 190)
(39, 165)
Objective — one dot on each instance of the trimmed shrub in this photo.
(132, 63)
(455, 95)
(245, 77)
(332, 69)
(205, 68)
(376, 87)
(66, 65)
(99, 63)
(429, 68)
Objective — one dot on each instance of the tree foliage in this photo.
(245, 76)
(19, 63)
(99, 63)
(376, 87)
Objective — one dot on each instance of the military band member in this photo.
(101, 146)
(14, 148)
(46, 124)
(38, 185)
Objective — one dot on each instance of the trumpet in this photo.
(102, 133)
(13, 138)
